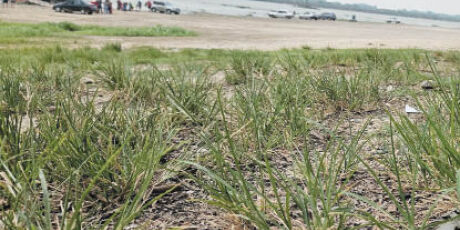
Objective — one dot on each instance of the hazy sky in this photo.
(440, 6)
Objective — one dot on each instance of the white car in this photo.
(281, 14)
(307, 16)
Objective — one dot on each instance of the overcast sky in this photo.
(439, 6)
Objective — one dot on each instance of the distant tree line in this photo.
(370, 9)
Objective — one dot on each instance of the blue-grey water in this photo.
(260, 9)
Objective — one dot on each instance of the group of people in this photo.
(128, 6)
(105, 7)
(124, 6)
(8, 3)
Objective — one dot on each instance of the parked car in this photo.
(326, 16)
(308, 16)
(75, 6)
(281, 14)
(393, 20)
(164, 7)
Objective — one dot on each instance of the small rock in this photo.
(319, 136)
(427, 84)
(87, 81)
(398, 65)
(381, 150)
(454, 225)
(390, 88)
(450, 215)
(52, 108)
(392, 208)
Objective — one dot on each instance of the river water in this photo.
(260, 9)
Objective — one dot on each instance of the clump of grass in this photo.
(244, 181)
(114, 47)
(89, 155)
(67, 26)
(154, 31)
(434, 145)
(234, 79)
(348, 93)
(409, 185)
(117, 74)
(423, 159)
(245, 65)
(79, 151)
(187, 89)
(11, 32)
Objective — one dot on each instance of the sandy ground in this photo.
(251, 33)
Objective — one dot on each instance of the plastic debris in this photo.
(410, 109)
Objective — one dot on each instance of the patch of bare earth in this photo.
(227, 32)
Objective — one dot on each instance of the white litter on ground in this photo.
(410, 109)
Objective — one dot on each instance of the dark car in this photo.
(75, 5)
(393, 20)
(164, 7)
(325, 16)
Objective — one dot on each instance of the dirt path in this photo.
(251, 33)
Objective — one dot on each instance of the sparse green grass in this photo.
(95, 151)
(16, 33)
